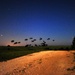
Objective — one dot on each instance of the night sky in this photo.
(20, 19)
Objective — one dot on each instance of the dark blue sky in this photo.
(20, 19)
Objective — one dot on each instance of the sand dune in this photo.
(41, 63)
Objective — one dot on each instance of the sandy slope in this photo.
(41, 63)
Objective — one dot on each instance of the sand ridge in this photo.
(41, 63)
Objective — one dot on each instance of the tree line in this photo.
(43, 42)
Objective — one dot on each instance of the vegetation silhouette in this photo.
(53, 40)
(10, 52)
(48, 38)
(18, 42)
(26, 39)
(26, 42)
(32, 41)
(44, 43)
(30, 38)
(8, 47)
(15, 43)
(73, 43)
(40, 39)
(36, 45)
(12, 41)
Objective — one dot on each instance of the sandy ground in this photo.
(41, 63)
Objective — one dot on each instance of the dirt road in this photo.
(41, 63)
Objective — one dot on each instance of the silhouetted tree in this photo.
(26, 45)
(53, 40)
(32, 41)
(8, 47)
(18, 42)
(30, 38)
(44, 41)
(40, 39)
(43, 44)
(73, 43)
(26, 40)
(48, 38)
(35, 44)
(12, 41)
(15, 42)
